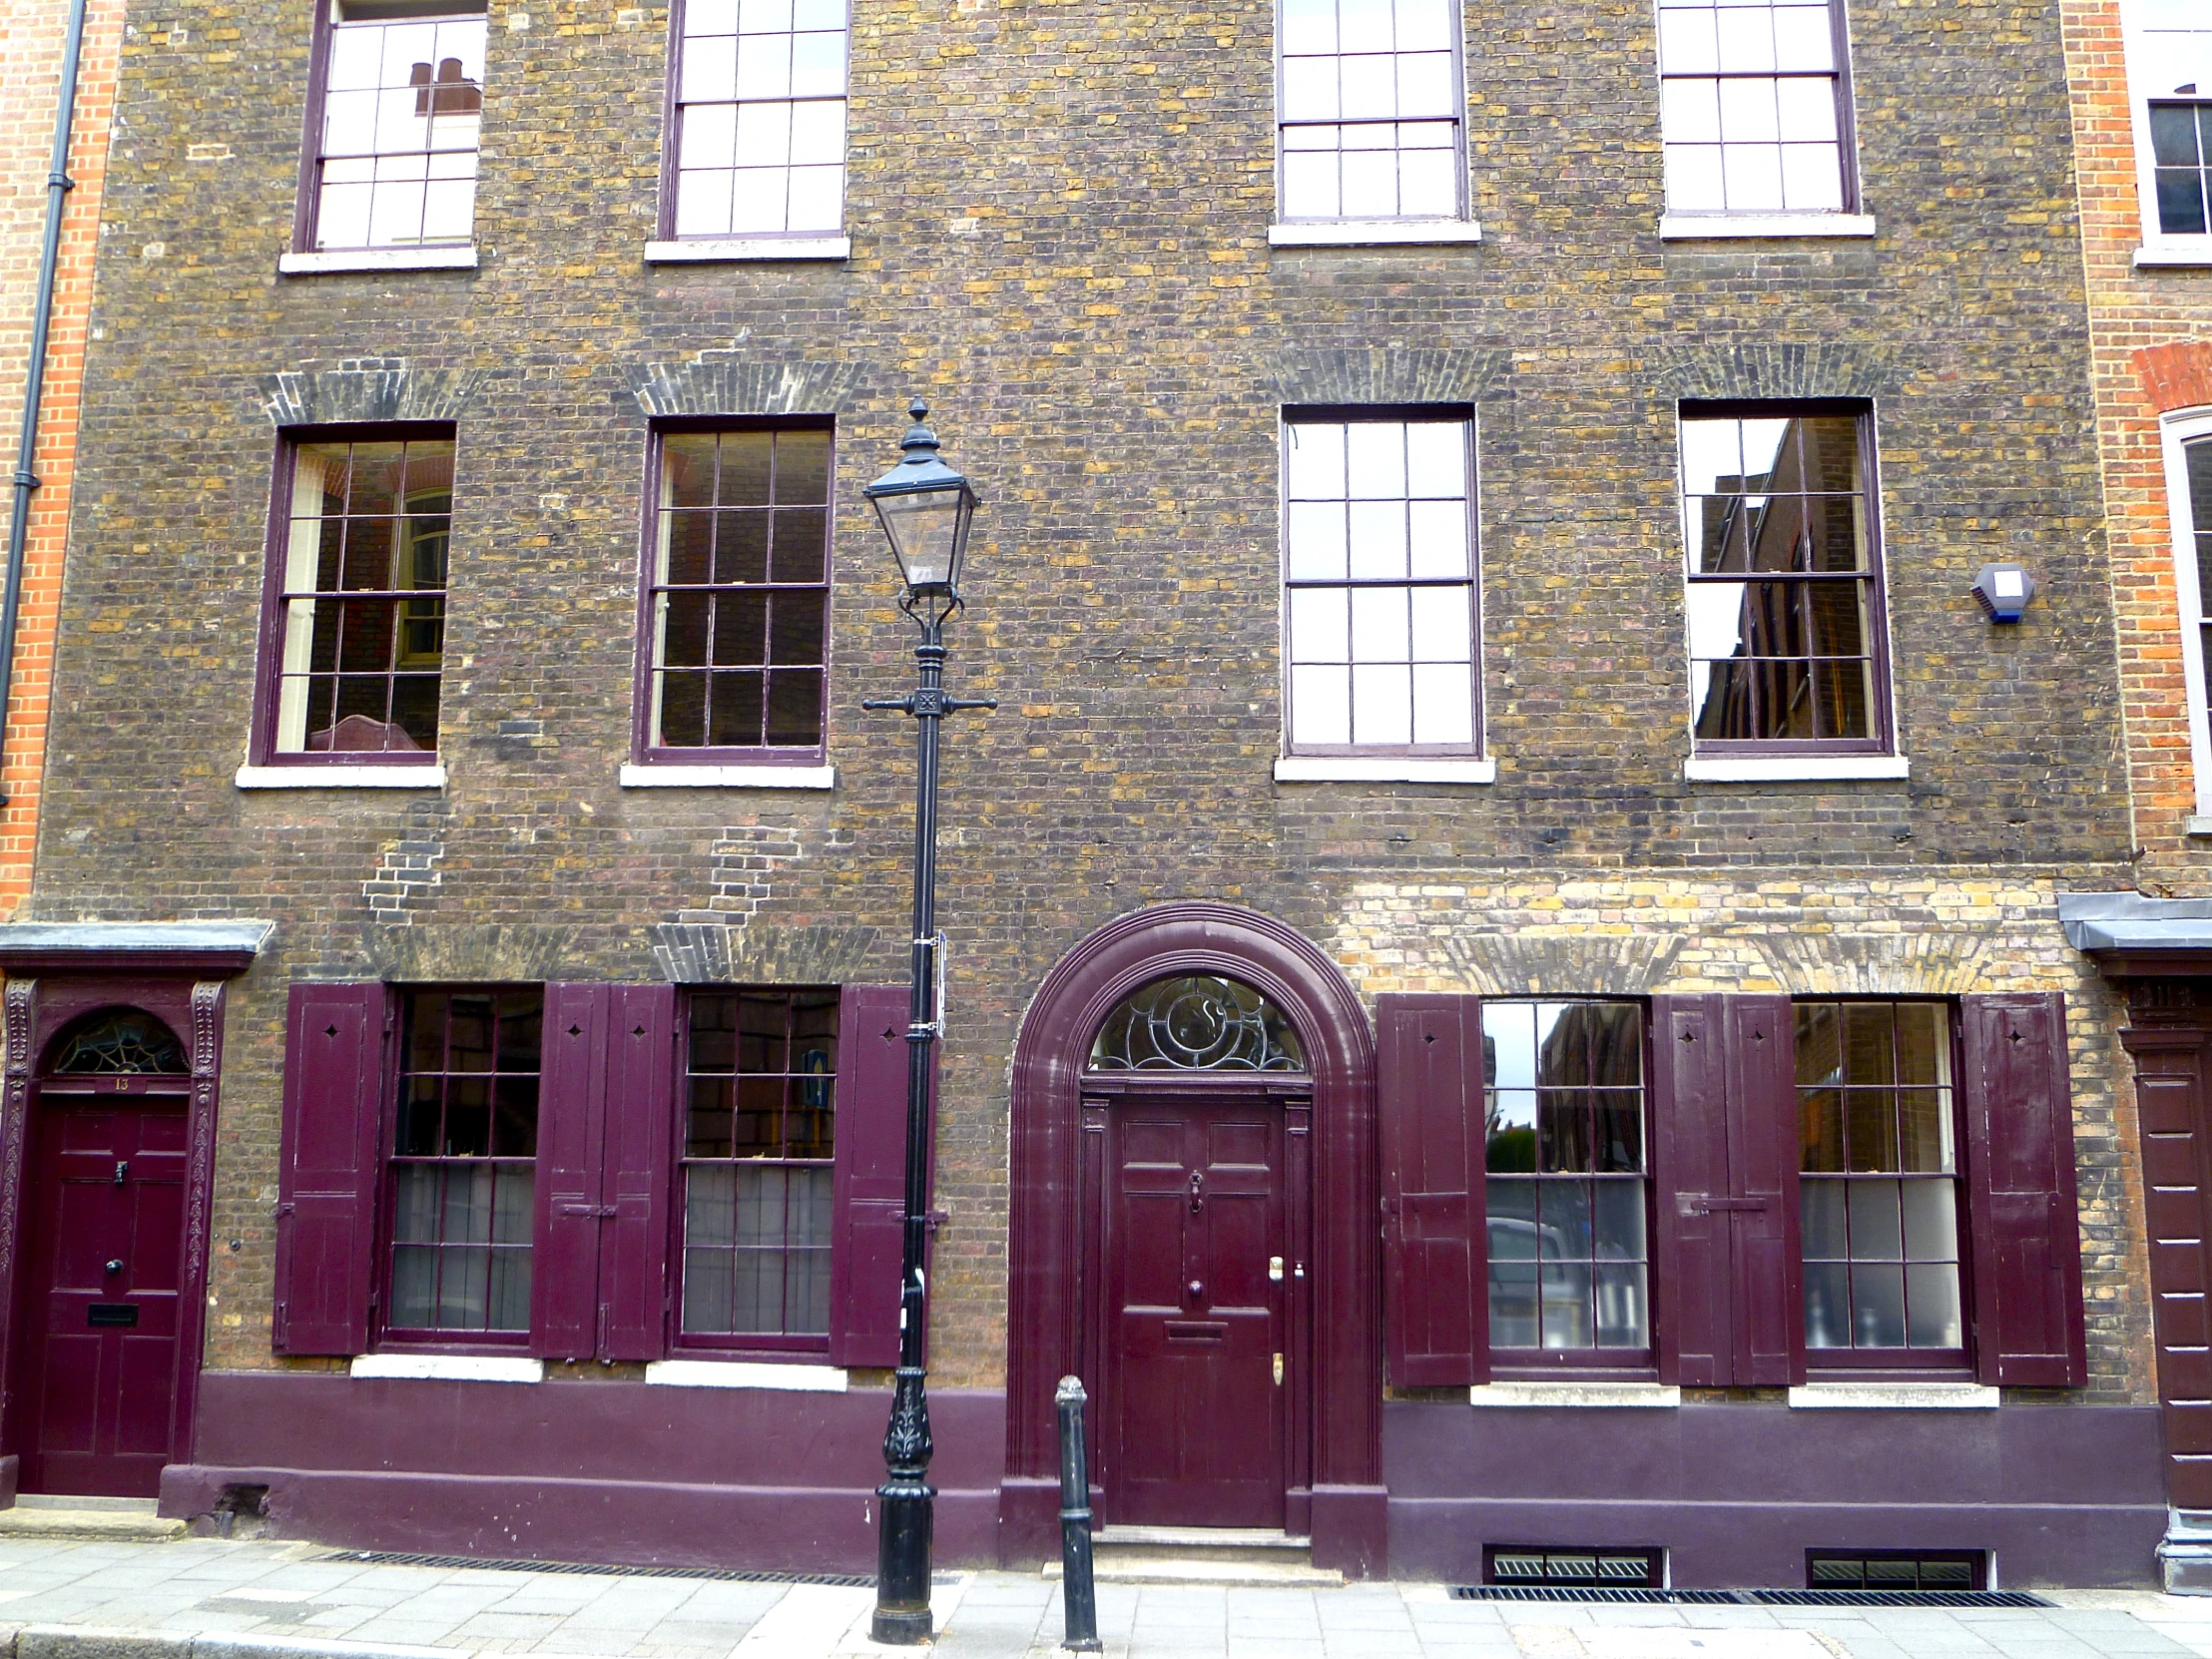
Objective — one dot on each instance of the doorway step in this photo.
(1202, 1556)
(55, 1516)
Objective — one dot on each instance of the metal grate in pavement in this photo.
(725, 1575)
(1893, 1598)
(1753, 1598)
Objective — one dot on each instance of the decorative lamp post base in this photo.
(901, 1591)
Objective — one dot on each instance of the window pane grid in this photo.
(364, 597)
(1780, 580)
(1564, 1104)
(1752, 107)
(1369, 110)
(1878, 1197)
(740, 593)
(1376, 516)
(761, 117)
(463, 1162)
(758, 1164)
(402, 110)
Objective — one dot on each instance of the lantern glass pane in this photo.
(924, 533)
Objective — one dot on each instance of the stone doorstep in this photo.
(55, 1641)
(1203, 1555)
(130, 1519)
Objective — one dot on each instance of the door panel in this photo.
(108, 1187)
(1195, 1409)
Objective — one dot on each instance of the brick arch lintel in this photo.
(368, 390)
(2176, 376)
(718, 386)
(1393, 374)
(1780, 369)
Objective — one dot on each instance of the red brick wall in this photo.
(31, 41)
(2143, 329)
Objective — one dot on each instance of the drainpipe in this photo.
(58, 186)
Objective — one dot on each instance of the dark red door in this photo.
(107, 1207)
(1196, 1332)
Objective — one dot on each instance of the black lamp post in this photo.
(925, 507)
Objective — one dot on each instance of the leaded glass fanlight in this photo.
(120, 1042)
(1197, 1022)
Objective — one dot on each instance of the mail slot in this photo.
(1197, 1330)
(112, 1312)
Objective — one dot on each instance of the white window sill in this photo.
(339, 778)
(2197, 823)
(1614, 1395)
(338, 260)
(1374, 232)
(450, 1368)
(1892, 1396)
(728, 777)
(1794, 768)
(729, 249)
(2180, 254)
(738, 1374)
(1381, 769)
(1764, 226)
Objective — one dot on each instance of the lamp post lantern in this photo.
(926, 508)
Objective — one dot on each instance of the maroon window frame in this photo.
(465, 1110)
(1568, 1188)
(448, 90)
(802, 142)
(1863, 1139)
(756, 1212)
(1792, 687)
(1695, 90)
(385, 731)
(733, 627)
(1337, 560)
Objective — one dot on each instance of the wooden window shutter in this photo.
(640, 1143)
(871, 1179)
(1434, 1233)
(1765, 1261)
(328, 1165)
(1692, 1316)
(572, 1101)
(2026, 1240)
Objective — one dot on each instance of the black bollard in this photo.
(1078, 1597)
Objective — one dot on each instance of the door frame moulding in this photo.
(177, 973)
(1047, 1319)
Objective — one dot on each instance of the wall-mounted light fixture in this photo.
(2004, 591)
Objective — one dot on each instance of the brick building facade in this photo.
(1102, 244)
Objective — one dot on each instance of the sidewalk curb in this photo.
(69, 1641)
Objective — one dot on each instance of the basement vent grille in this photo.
(1594, 1592)
(1897, 1569)
(1752, 1598)
(725, 1575)
(1585, 1567)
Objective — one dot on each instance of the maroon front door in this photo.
(1195, 1335)
(106, 1205)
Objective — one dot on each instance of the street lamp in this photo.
(926, 508)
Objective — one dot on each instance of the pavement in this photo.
(211, 1598)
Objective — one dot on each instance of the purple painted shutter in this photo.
(572, 1097)
(2020, 1180)
(327, 1167)
(1763, 1156)
(870, 1181)
(1434, 1232)
(641, 1130)
(1692, 1305)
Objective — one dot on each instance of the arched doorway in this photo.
(107, 1299)
(1194, 1096)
